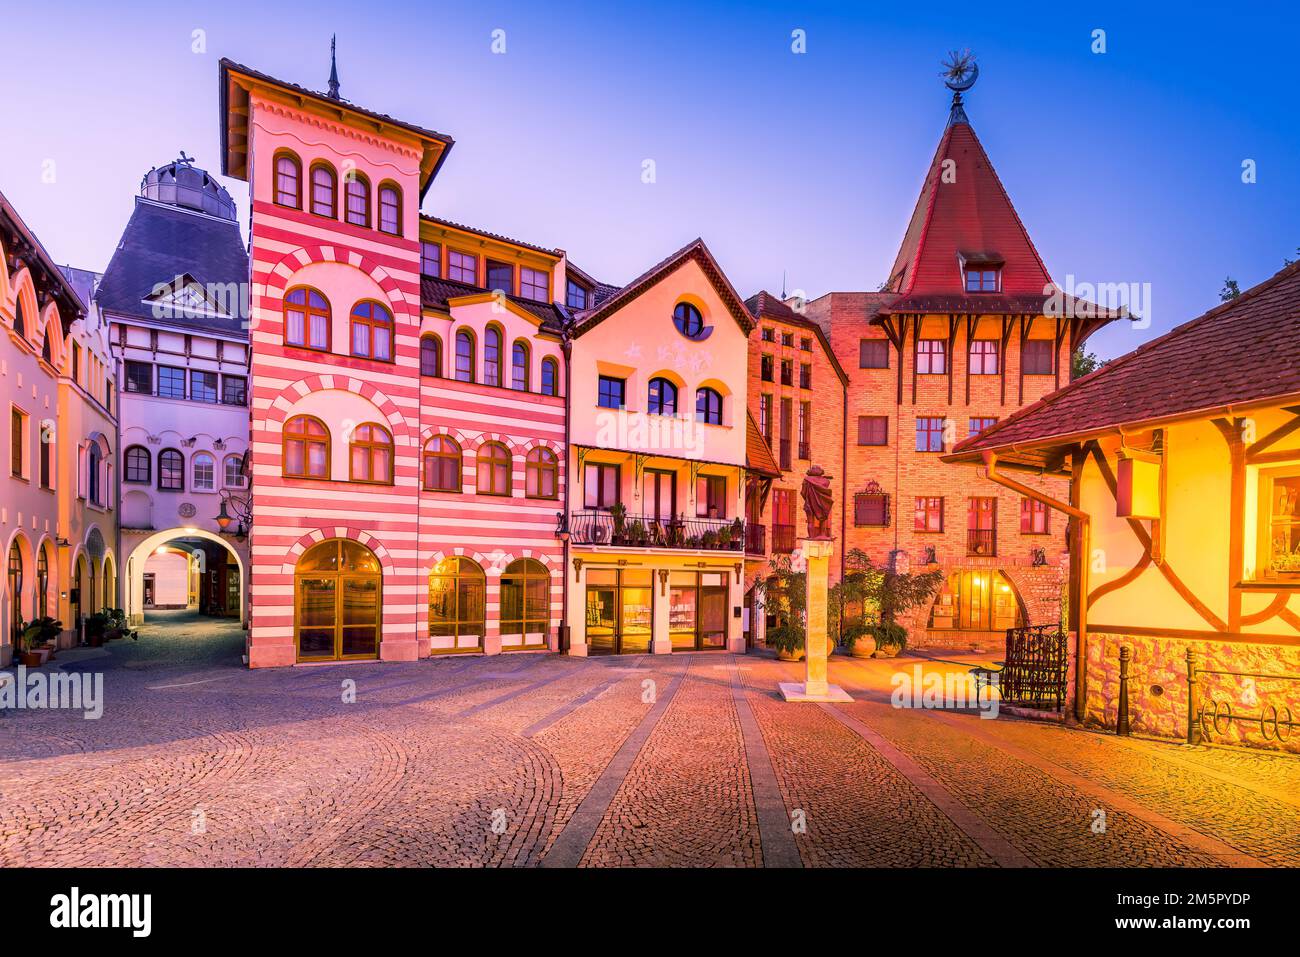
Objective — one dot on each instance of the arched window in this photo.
(94, 463)
(550, 377)
(708, 406)
(372, 331)
(171, 471)
(519, 366)
(307, 319)
(306, 448)
(431, 356)
(42, 583)
(525, 602)
(465, 356)
(46, 351)
(356, 190)
(390, 209)
(337, 599)
(324, 191)
(15, 590)
(541, 474)
(688, 320)
(492, 356)
(110, 583)
(288, 181)
(234, 471)
(371, 455)
(457, 605)
(493, 469)
(204, 467)
(442, 465)
(139, 464)
(662, 398)
(20, 322)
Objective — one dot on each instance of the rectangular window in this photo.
(765, 417)
(873, 430)
(805, 345)
(1278, 551)
(931, 357)
(805, 424)
(769, 335)
(612, 392)
(873, 353)
(1037, 357)
(805, 376)
(929, 434)
(171, 382)
(787, 425)
(501, 276)
(982, 280)
(139, 377)
(44, 445)
(462, 267)
(234, 390)
(765, 367)
(534, 284)
(203, 386)
(1033, 517)
(17, 442)
(979, 423)
(600, 485)
(431, 260)
(981, 526)
(871, 509)
(787, 339)
(787, 372)
(711, 496)
(984, 357)
(929, 514)
(575, 295)
(76, 363)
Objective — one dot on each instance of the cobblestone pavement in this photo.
(535, 759)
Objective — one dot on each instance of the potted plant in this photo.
(788, 640)
(709, 539)
(618, 515)
(724, 536)
(737, 534)
(115, 625)
(858, 638)
(636, 532)
(32, 638)
(96, 625)
(890, 638)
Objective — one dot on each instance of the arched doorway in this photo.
(14, 583)
(229, 582)
(525, 605)
(77, 596)
(338, 599)
(976, 600)
(110, 583)
(457, 605)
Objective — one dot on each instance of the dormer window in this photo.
(983, 279)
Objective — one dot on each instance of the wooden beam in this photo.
(952, 352)
(1002, 357)
(1023, 336)
(971, 322)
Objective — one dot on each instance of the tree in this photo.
(1084, 362)
(1230, 290)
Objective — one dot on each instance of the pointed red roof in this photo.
(964, 214)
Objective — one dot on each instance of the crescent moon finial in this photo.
(960, 71)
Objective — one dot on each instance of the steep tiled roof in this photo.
(160, 244)
(21, 241)
(490, 235)
(434, 294)
(1244, 351)
(758, 454)
(694, 250)
(764, 305)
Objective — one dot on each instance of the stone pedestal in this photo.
(815, 687)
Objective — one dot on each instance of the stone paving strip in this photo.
(571, 843)
(774, 830)
(591, 694)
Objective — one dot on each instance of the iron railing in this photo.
(1033, 674)
(805, 450)
(755, 538)
(1205, 721)
(599, 527)
(782, 539)
(981, 541)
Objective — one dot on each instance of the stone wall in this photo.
(1158, 686)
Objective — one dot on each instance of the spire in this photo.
(334, 72)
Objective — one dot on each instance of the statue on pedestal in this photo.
(817, 502)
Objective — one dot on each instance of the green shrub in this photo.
(889, 634)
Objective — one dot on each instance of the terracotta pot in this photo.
(863, 646)
(33, 659)
(795, 655)
(886, 651)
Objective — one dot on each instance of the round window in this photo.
(688, 320)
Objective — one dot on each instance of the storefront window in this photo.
(697, 610)
(620, 611)
(1279, 506)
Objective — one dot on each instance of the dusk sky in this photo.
(1126, 167)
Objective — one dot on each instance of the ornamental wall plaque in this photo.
(186, 510)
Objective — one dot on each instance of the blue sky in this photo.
(1126, 167)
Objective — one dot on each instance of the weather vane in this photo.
(960, 71)
(334, 71)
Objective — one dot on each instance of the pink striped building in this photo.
(407, 424)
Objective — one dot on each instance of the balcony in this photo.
(782, 539)
(755, 538)
(597, 527)
(982, 542)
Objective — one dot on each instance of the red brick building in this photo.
(969, 327)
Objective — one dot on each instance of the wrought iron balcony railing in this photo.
(782, 539)
(601, 527)
(981, 541)
(755, 538)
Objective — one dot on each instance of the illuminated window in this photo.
(370, 455)
(306, 448)
(442, 465)
(929, 514)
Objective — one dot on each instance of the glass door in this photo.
(602, 611)
(713, 610)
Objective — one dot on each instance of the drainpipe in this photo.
(1079, 563)
(844, 494)
(566, 347)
